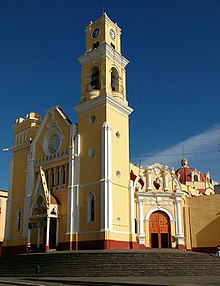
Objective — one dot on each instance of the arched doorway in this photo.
(159, 227)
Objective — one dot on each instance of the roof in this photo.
(184, 174)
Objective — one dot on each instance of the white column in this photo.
(29, 236)
(149, 179)
(29, 191)
(132, 222)
(8, 205)
(76, 194)
(179, 226)
(70, 184)
(165, 179)
(141, 220)
(106, 181)
(57, 232)
(48, 234)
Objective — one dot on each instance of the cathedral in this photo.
(72, 186)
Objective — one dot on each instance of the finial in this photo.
(184, 163)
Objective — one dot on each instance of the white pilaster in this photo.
(179, 226)
(132, 222)
(8, 208)
(29, 191)
(71, 183)
(106, 181)
(141, 233)
(48, 234)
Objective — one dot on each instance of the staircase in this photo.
(101, 263)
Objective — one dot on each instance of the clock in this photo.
(95, 33)
(112, 34)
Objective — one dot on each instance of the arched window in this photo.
(91, 207)
(51, 178)
(196, 178)
(114, 80)
(57, 176)
(95, 81)
(63, 174)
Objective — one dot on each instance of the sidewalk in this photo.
(113, 281)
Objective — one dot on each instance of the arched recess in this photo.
(95, 78)
(159, 227)
(114, 80)
(90, 207)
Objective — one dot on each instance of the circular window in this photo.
(92, 119)
(118, 134)
(91, 152)
(118, 173)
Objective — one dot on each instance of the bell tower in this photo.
(103, 66)
(103, 126)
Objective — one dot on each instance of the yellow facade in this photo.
(72, 186)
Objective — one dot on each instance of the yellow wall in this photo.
(204, 220)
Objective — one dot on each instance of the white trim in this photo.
(104, 51)
(8, 202)
(106, 182)
(155, 209)
(70, 207)
(102, 100)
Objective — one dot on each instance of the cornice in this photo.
(102, 100)
(103, 51)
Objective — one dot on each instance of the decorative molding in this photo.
(103, 51)
(102, 100)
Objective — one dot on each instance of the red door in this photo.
(159, 227)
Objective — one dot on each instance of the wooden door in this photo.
(159, 228)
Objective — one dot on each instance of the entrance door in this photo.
(53, 224)
(159, 227)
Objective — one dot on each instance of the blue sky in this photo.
(173, 76)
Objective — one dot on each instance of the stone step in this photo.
(112, 264)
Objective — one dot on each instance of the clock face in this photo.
(54, 143)
(112, 34)
(95, 33)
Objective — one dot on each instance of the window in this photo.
(51, 178)
(91, 207)
(57, 176)
(196, 178)
(63, 174)
(114, 80)
(95, 82)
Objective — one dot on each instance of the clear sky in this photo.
(173, 78)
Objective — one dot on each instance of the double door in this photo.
(159, 227)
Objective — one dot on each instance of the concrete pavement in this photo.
(113, 281)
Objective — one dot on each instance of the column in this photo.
(141, 221)
(48, 235)
(179, 226)
(106, 181)
(165, 179)
(149, 179)
(132, 222)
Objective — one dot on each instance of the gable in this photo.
(53, 137)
